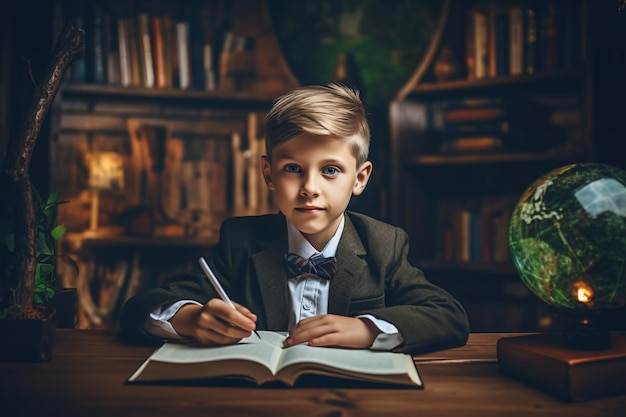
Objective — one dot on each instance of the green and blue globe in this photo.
(567, 237)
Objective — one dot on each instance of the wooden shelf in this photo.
(464, 86)
(112, 91)
(559, 156)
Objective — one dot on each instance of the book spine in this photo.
(516, 40)
(470, 54)
(530, 39)
(502, 43)
(158, 49)
(134, 48)
(184, 64)
(491, 41)
(481, 44)
(96, 40)
(464, 235)
(143, 23)
(552, 38)
(196, 54)
(79, 69)
(112, 50)
(124, 51)
(209, 70)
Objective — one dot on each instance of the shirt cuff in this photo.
(157, 323)
(389, 337)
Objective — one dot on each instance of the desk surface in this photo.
(87, 373)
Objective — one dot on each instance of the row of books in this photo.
(523, 37)
(153, 50)
(488, 124)
(476, 233)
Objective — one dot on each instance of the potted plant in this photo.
(26, 287)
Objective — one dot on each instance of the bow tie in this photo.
(324, 268)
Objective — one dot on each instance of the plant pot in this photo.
(27, 340)
(65, 304)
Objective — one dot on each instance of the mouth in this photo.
(309, 209)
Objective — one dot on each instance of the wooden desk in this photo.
(87, 373)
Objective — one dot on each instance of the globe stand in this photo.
(588, 331)
(584, 335)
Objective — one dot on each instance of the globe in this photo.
(567, 238)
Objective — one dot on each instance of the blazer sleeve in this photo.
(191, 286)
(427, 316)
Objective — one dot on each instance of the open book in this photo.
(264, 361)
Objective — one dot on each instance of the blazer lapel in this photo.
(272, 277)
(350, 264)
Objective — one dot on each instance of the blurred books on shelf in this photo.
(522, 38)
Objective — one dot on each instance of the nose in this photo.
(310, 186)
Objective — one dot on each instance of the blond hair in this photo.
(330, 110)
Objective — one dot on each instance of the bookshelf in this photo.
(467, 144)
(202, 74)
(179, 91)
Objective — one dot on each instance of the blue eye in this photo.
(292, 168)
(331, 171)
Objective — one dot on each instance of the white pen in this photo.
(216, 284)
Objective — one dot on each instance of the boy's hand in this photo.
(332, 330)
(215, 323)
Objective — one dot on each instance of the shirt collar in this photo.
(299, 245)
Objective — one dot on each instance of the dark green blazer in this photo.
(373, 277)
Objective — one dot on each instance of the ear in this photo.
(362, 177)
(266, 169)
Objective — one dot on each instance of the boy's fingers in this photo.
(234, 317)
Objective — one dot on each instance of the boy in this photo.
(317, 143)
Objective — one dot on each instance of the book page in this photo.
(265, 351)
(362, 363)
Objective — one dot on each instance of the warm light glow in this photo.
(106, 170)
(584, 293)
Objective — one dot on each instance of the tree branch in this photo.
(70, 46)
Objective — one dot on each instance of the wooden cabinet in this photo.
(174, 93)
(468, 138)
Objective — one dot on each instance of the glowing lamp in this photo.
(106, 172)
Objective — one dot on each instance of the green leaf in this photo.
(43, 245)
(52, 198)
(58, 231)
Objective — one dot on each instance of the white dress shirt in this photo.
(308, 296)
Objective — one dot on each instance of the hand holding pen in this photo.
(216, 285)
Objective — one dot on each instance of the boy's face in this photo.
(313, 179)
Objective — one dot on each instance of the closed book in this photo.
(476, 128)
(471, 144)
(574, 375)
(473, 114)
